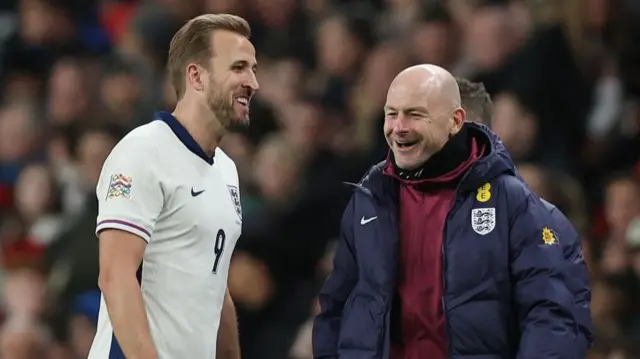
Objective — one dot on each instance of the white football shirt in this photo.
(159, 184)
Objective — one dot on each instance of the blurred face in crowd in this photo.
(615, 258)
(21, 86)
(22, 338)
(622, 204)
(120, 92)
(596, 12)
(490, 37)
(337, 48)
(421, 114)
(232, 82)
(432, 42)
(23, 292)
(301, 125)
(17, 133)
(40, 22)
(535, 178)
(34, 192)
(275, 169)
(516, 127)
(68, 95)
(223, 6)
(281, 82)
(274, 13)
(21, 345)
(380, 67)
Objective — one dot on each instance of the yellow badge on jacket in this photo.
(484, 193)
(548, 237)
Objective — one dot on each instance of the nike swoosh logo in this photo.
(194, 193)
(364, 221)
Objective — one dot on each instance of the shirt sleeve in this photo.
(130, 196)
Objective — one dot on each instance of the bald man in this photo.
(444, 251)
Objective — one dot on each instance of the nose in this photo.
(401, 125)
(252, 82)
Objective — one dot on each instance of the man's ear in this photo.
(195, 76)
(458, 120)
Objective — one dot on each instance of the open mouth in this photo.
(406, 144)
(242, 100)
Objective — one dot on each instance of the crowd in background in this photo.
(76, 75)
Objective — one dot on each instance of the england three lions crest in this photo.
(235, 199)
(483, 220)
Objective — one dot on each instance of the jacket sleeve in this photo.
(335, 291)
(577, 278)
(543, 303)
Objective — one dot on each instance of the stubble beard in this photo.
(223, 110)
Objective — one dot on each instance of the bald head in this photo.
(436, 85)
(422, 113)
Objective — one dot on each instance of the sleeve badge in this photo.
(119, 186)
(549, 237)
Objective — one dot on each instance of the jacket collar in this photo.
(495, 162)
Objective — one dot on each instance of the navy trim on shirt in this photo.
(183, 135)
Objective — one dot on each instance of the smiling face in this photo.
(421, 113)
(232, 81)
(212, 62)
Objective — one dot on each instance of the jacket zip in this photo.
(443, 253)
(444, 279)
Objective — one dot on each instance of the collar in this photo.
(183, 135)
(454, 153)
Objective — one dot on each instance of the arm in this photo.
(130, 200)
(336, 290)
(228, 341)
(120, 256)
(577, 278)
(544, 305)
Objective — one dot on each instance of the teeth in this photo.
(405, 144)
(243, 100)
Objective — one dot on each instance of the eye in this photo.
(391, 115)
(237, 68)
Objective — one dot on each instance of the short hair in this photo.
(476, 101)
(192, 43)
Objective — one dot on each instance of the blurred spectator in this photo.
(434, 37)
(22, 338)
(37, 202)
(622, 204)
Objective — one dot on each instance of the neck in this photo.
(201, 124)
